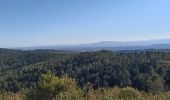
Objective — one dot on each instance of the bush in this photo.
(129, 94)
(51, 87)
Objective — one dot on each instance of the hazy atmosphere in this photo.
(84, 49)
(58, 22)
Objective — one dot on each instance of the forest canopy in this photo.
(147, 70)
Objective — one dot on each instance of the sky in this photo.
(60, 22)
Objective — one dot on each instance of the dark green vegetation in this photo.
(147, 71)
(52, 87)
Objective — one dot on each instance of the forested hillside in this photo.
(147, 70)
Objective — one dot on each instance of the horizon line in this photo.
(87, 43)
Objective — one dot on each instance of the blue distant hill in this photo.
(110, 45)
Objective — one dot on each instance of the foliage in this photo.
(51, 87)
(147, 70)
(12, 96)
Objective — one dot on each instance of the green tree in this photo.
(51, 87)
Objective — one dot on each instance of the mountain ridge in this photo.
(109, 45)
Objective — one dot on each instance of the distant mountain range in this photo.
(110, 45)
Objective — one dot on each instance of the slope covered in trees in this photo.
(51, 87)
(147, 70)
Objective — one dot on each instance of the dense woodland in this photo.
(146, 70)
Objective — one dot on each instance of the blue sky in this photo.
(59, 22)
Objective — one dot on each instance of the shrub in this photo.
(51, 87)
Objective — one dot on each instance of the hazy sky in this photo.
(58, 22)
